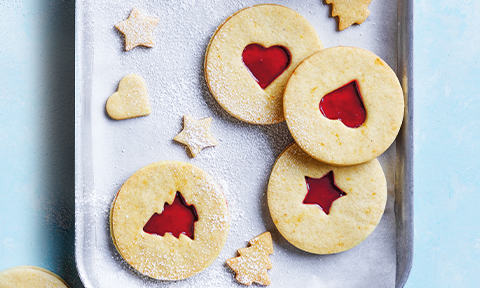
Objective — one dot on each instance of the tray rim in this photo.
(404, 185)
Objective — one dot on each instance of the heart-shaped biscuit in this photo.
(131, 99)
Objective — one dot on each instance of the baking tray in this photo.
(107, 152)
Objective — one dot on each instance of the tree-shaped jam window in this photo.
(345, 104)
(266, 64)
(322, 191)
(176, 218)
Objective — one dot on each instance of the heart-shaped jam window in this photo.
(176, 218)
(322, 191)
(345, 104)
(265, 64)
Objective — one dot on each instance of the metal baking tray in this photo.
(107, 152)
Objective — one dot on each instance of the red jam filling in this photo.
(345, 104)
(176, 218)
(265, 64)
(322, 191)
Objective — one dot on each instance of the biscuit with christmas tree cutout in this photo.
(169, 220)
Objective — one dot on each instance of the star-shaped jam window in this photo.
(322, 191)
(176, 218)
(196, 134)
(138, 29)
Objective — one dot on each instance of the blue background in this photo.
(37, 107)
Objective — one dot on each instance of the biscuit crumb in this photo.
(252, 263)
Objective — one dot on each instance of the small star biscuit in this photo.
(349, 11)
(131, 99)
(252, 263)
(196, 134)
(138, 29)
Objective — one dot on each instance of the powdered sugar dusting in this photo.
(241, 162)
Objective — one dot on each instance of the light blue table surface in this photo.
(37, 87)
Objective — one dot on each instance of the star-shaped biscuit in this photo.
(138, 29)
(252, 263)
(196, 134)
(349, 11)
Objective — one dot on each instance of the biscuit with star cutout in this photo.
(321, 208)
(349, 11)
(137, 29)
(196, 134)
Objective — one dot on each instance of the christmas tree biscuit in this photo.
(349, 11)
(252, 263)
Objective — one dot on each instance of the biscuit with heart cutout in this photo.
(251, 56)
(131, 99)
(344, 105)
